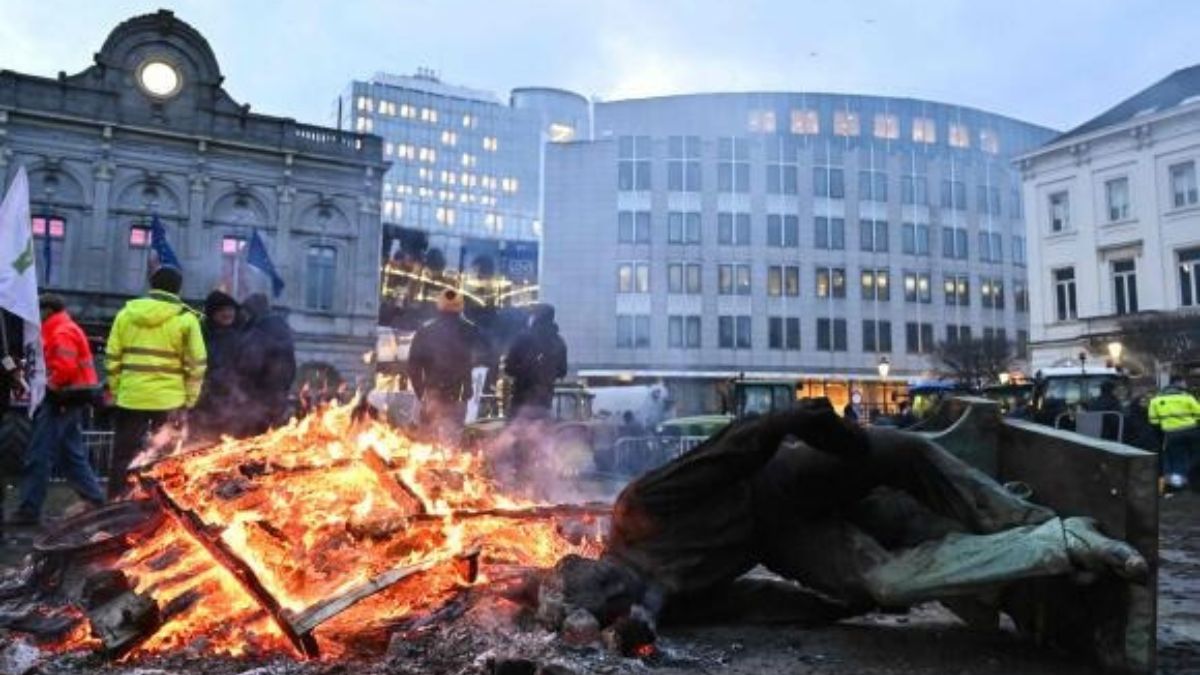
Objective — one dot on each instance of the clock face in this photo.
(159, 78)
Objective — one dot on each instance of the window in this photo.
(806, 122)
(887, 126)
(914, 190)
(733, 165)
(917, 287)
(1189, 277)
(831, 282)
(876, 336)
(875, 285)
(52, 231)
(873, 235)
(957, 288)
(633, 163)
(683, 227)
(683, 164)
(954, 195)
(139, 237)
(988, 199)
(845, 123)
(1064, 294)
(733, 229)
(633, 331)
(1060, 212)
(1124, 276)
(829, 233)
(733, 279)
(831, 335)
(1015, 208)
(783, 171)
(991, 247)
(683, 278)
(783, 231)
(924, 130)
(959, 333)
(915, 238)
(989, 141)
(828, 182)
(232, 247)
(1116, 198)
(1018, 252)
(872, 186)
(683, 332)
(733, 332)
(954, 243)
(1022, 344)
(918, 337)
(633, 227)
(319, 277)
(959, 137)
(783, 333)
(783, 280)
(1020, 296)
(991, 293)
(633, 277)
(1183, 184)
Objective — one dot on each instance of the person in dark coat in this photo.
(440, 360)
(221, 399)
(265, 362)
(535, 361)
(12, 385)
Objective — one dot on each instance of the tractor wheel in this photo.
(15, 432)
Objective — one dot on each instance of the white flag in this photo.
(18, 281)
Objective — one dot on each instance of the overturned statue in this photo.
(867, 519)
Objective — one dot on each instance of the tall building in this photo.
(1115, 221)
(461, 202)
(806, 236)
(148, 130)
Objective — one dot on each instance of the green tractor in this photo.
(747, 398)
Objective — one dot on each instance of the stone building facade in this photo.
(148, 130)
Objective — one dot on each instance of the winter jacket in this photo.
(265, 359)
(1174, 410)
(69, 363)
(441, 357)
(220, 378)
(537, 358)
(155, 356)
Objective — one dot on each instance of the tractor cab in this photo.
(1063, 390)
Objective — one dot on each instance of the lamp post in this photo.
(1083, 362)
(885, 367)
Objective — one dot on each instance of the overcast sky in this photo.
(1052, 62)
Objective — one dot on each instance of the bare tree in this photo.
(1169, 338)
(973, 362)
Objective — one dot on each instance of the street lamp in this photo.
(1114, 351)
(884, 367)
(1083, 362)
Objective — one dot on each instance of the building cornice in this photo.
(1141, 129)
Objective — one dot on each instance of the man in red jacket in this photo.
(58, 424)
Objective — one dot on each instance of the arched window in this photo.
(50, 233)
(319, 278)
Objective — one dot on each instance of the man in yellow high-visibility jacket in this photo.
(155, 360)
(1177, 414)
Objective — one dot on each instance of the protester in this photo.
(155, 360)
(535, 361)
(1107, 401)
(905, 418)
(265, 365)
(850, 412)
(221, 399)
(440, 360)
(1177, 413)
(58, 424)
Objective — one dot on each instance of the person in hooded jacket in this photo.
(265, 365)
(537, 358)
(155, 359)
(440, 361)
(220, 398)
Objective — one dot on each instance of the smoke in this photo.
(543, 461)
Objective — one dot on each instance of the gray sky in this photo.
(1053, 62)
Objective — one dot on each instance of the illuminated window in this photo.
(427, 155)
(444, 215)
(806, 122)
(53, 225)
(988, 141)
(490, 143)
(845, 123)
(387, 149)
(429, 115)
(468, 121)
(50, 252)
(139, 237)
(762, 121)
(887, 126)
(407, 111)
(959, 136)
(924, 130)
(365, 103)
(468, 160)
(561, 133)
(232, 245)
(364, 125)
(449, 138)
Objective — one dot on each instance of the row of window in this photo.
(686, 278)
(783, 333)
(884, 126)
(1117, 197)
(783, 231)
(320, 262)
(1123, 280)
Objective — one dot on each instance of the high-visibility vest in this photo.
(155, 356)
(1174, 411)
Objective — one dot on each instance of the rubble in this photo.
(580, 629)
(19, 657)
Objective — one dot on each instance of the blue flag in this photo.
(158, 243)
(257, 257)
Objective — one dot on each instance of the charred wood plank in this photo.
(400, 491)
(591, 509)
(123, 622)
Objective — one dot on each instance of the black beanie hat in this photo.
(218, 299)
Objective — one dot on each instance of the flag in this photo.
(257, 257)
(18, 282)
(159, 244)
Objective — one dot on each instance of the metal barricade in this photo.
(633, 454)
(675, 446)
(1091, 423)
(99, 448)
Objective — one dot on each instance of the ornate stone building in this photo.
(147, 129)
